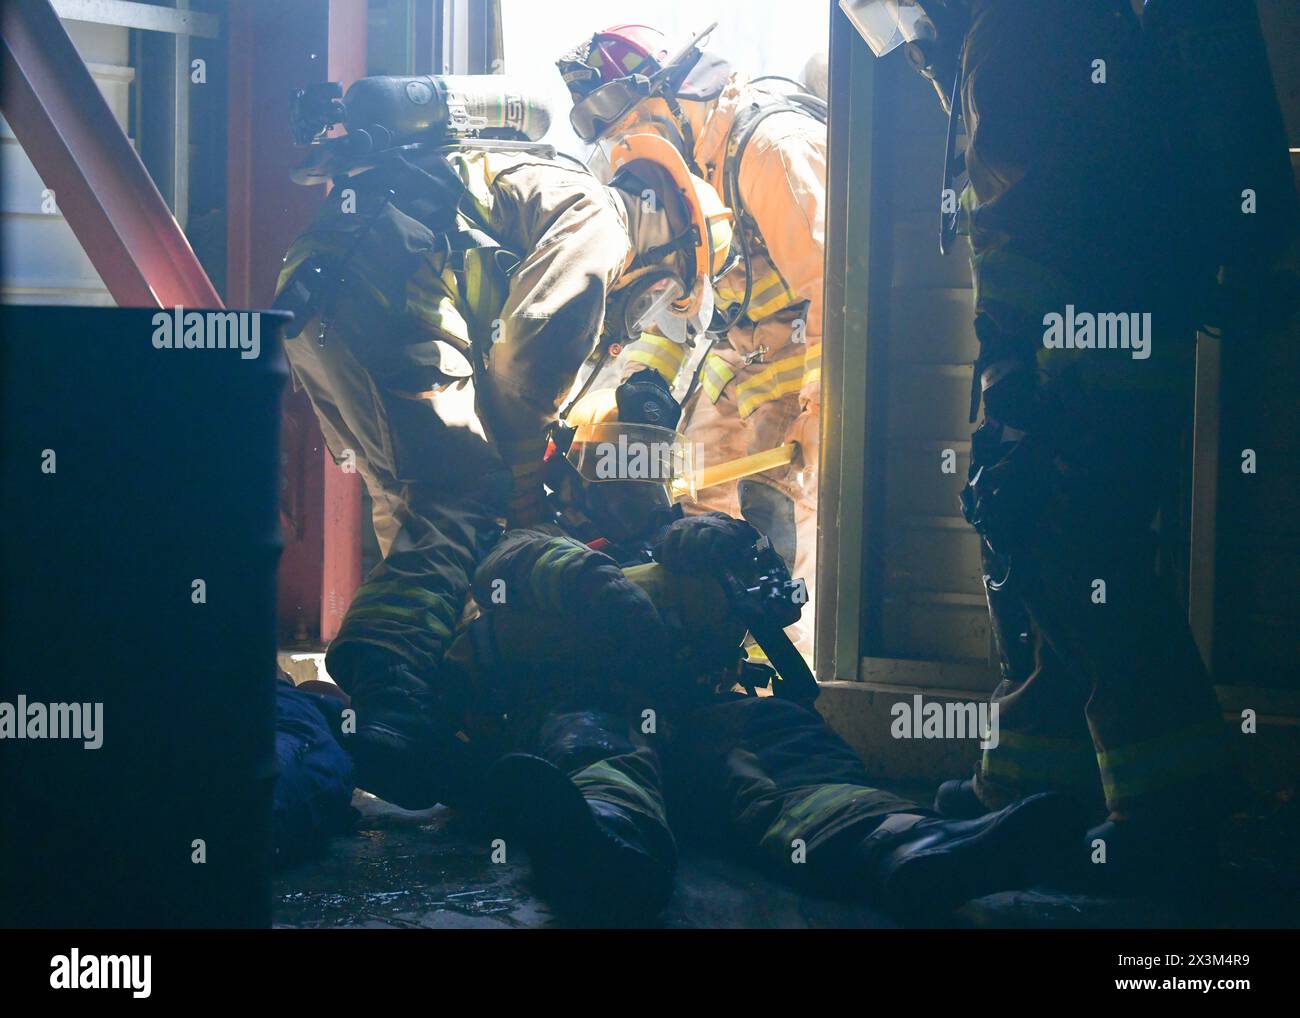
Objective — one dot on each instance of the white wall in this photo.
(43, 261)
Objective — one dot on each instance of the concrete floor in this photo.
(434, 870)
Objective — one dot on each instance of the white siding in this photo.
(43, 261)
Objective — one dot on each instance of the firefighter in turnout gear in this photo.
(1073, 223)
(443, 258)
(608, 710)
(751, 383)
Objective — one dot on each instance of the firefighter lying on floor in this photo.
(593, 708)
(404, 261)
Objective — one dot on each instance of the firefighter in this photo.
(611, 752)
(437, 260)
(763, 148)
(1072, 195)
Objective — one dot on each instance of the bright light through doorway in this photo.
(758, 37)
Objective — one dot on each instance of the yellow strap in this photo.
(739, 468)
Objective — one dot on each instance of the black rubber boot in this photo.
(924, 867)
(592, 860)
(403, 753)
(956, 800)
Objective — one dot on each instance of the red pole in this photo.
(342, 530)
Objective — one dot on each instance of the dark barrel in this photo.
(165, 471)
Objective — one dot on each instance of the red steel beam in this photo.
(102, 188)
(341, 538)
(275, 48)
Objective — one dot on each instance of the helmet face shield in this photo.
(650, 306)
(884, 24)
(652, 169)
(598, 163)
(624, 457)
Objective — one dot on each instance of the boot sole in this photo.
(1032, 842)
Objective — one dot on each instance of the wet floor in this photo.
(435, 870)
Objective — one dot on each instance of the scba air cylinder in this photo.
(407, 107)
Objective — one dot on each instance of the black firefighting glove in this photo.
(709, 544)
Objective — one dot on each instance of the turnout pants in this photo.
(438, 490)
(759, 777)
(744, 418)
(1119, 705)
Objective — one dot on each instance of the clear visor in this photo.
(607, 451)
(884, 24)
(598, 163)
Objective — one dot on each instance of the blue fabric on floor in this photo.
(314, 776)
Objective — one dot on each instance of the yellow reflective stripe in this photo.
(421, 618)
(1144, 767)
(715, 376)
(1017, 282)
(605, 776)
(761, 285)
(778, 380)
(816, 808)
(549, 570)
(769, 295)
(771, 300)
(812, 364)
(402, 588)
(659, 353)
(1027, 777)
(1040, 761)
(397, 592)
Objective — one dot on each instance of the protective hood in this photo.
(707, 79)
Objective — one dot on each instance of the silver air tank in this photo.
(460, 104)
